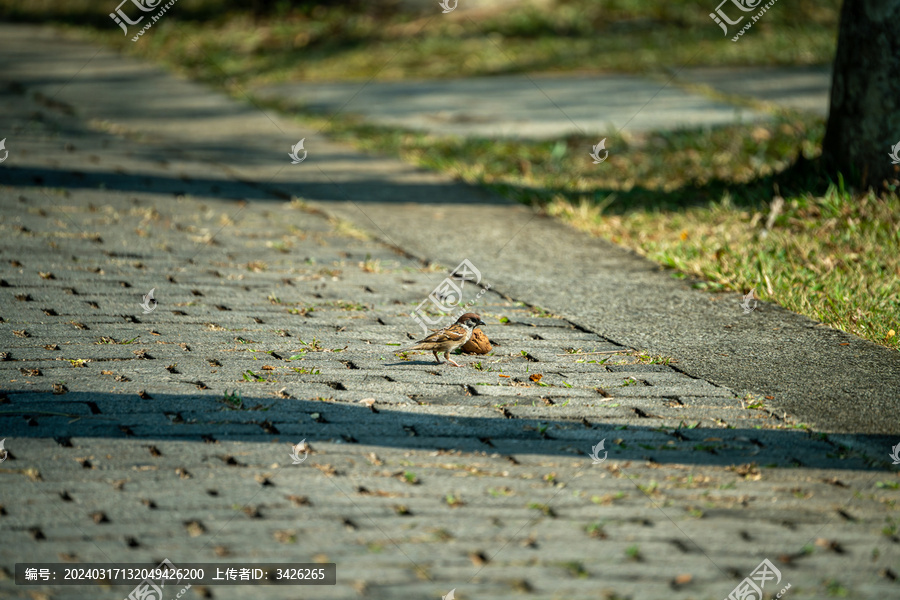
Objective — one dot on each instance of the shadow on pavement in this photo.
(205, 418)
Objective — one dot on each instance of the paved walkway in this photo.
(799, 88)
(543, 106)
(127, 441)
(519, 106)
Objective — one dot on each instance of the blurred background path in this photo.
(550, 106)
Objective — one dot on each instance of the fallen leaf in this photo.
(195, 528)
(327, 470)
(536, 377)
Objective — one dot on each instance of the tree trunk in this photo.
(864, 119)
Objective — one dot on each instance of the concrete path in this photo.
(138, 436)
(518, 106)
(799, 88)
(542, 106)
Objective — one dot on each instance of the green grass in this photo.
(233, 400)
(575, 569)
(209, 40)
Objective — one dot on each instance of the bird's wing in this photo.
(452, 333)
(456, 332)
(440, 338)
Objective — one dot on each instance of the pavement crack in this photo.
(643, 414)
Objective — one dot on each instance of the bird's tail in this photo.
(412, 348)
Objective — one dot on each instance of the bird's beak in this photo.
(480, 322)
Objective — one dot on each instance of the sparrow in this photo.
(449, 338)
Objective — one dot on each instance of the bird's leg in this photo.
(436, 358)
(450, 360)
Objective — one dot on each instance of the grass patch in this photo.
(215, 40)
(233, 400)
(574, 569)
(634, 553)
